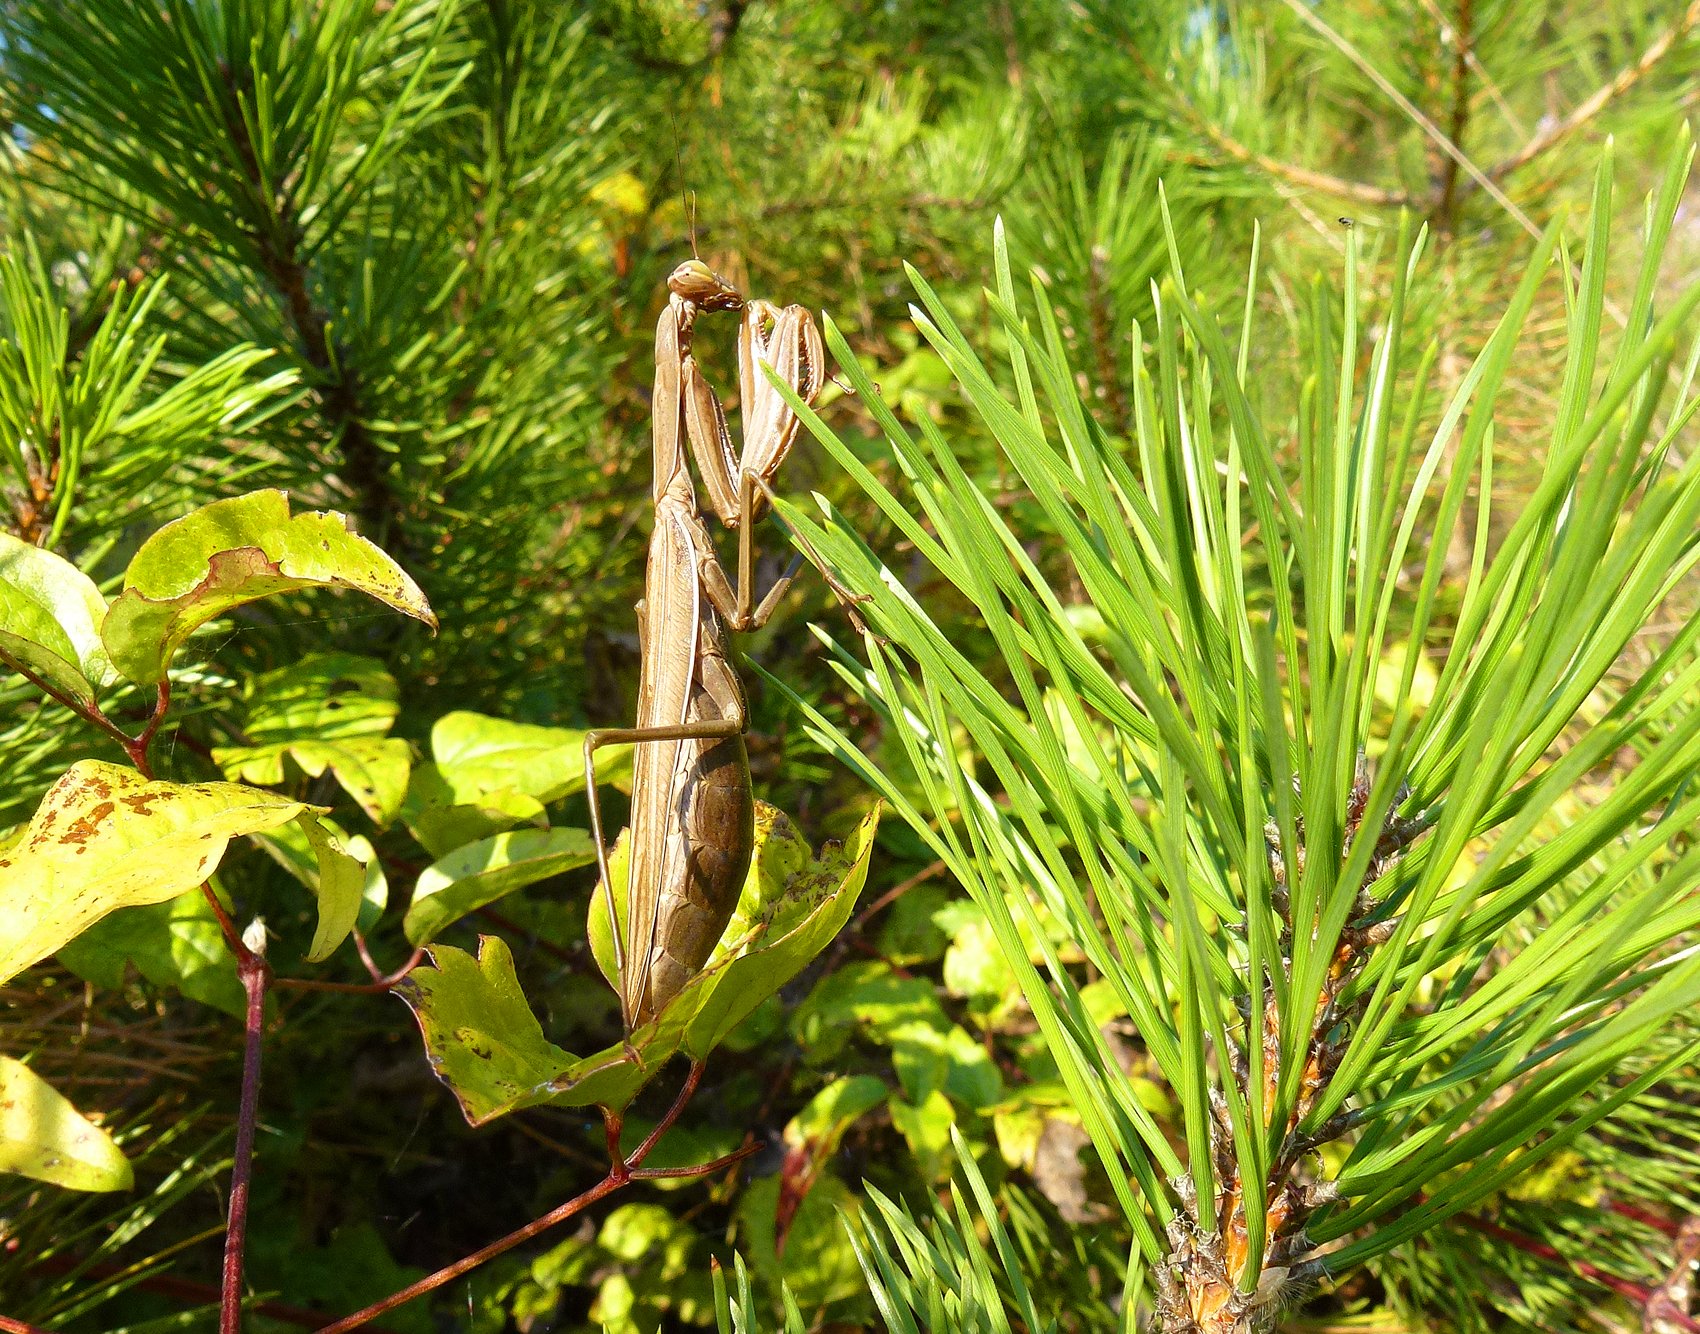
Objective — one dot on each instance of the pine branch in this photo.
(279, 252)
(1463, 39)
(1626, 79)
(1304, 177)
(1436, 135)
(1360, 191)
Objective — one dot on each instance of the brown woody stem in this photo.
(621, 1171)
(254, 973)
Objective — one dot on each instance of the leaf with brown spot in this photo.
(89, 849)
(232, 552)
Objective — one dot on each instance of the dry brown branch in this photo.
(1358, 191)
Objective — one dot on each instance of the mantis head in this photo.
(705, 289)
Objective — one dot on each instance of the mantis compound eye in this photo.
(695, 282)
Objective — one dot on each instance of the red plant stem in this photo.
(620, 1172)
(137, 749)
(19, 1327)
(184, 1289)
(381, 982)
(254, 974)
(1623, 1287)
(737, 1155)
(232, 937)
(1644, 1216)
(90, 714)
(385, 980)
(686, 1090)
(606, 1186)
(252, 969)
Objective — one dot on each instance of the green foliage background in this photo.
(404, 259)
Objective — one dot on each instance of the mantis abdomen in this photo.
(704, 870)
(693, 813)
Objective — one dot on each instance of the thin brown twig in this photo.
(1358, 191)
(1288, 172)
(897, 891)
(254, 974)
(622, 1170)
(1423, 122)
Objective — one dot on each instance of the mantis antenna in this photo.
(687, 196)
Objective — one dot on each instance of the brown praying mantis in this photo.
(693, 808)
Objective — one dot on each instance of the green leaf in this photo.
(324, 696)
(820, 1126)
(596, 928)
(289, 846)
(487, 1046)
(792, 904)
(482, 872)
(50, 615)
(926, 1128)
(867, 996)
(44, 1137)
(373, 772)
(328, 711)
(375, 889)
(442, 823)
(341, 1269)
(908, 935)
(485, 1043)
(488, 774)
(341, 881)
(931, 1057)
(177, 944)
(482, 759)
(816, 1263)
(974, 966)
(230, 553)
(104, 837)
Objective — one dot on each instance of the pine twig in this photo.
(1627, 78)
(1339, 186)
(1445, 210)
(278, 247)
(1435, 134)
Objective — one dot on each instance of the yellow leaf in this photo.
(104, 838)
